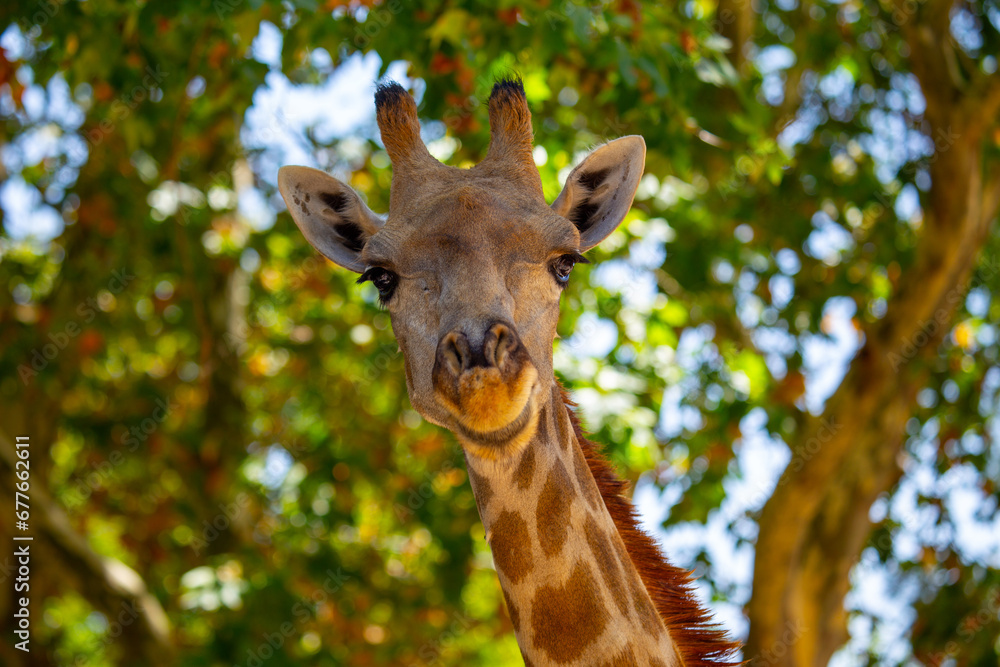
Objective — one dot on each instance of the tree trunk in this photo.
(815, 525)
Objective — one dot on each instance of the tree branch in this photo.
(110, 585)
(736, 23)
(816, 522)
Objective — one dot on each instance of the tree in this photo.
(218, 419)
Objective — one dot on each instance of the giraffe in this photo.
(470, 264)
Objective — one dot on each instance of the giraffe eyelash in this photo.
(384, 280)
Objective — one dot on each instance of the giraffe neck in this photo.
(572, 590)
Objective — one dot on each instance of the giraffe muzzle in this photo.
(487, 388)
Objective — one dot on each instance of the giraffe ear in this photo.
(599, 191)
(330, 214)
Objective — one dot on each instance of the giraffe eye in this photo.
(562, 266)
(384, 280)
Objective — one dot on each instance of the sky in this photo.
(343, 108)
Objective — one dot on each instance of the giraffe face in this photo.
(470, 263)
(473, 276)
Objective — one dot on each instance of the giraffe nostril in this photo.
(454, 352)
(505, 341)
(486, 384)
(456, 355)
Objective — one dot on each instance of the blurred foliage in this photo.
(224, 412)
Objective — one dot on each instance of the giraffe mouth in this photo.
(489, 391)
(505, 434)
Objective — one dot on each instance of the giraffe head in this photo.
(470, 263)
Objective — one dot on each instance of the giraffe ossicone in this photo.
(470, 264)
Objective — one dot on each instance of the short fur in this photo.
(699, 641)
(474, 306)
(512, 140)
(399, 125)
(396, 113)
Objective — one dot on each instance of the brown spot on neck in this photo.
(553, 511)
(588, 488)
(524, 475)
(544, 430)
(624, 659)
(568, 618)
(481, 489)
(607, 563)
(512, 611)
(511, 545)
(564, 428)
(698, 641)
(648, 615)
(650, 619)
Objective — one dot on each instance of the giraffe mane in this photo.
(699, 640)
